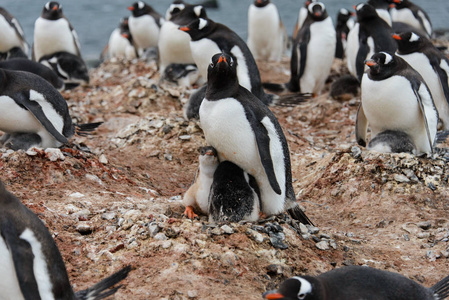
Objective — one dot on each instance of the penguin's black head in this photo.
(209, 151)
(222, 78)
(295, 288)
(140, 8)
(317, 11)
(174, 9)
(52, 11)
(184, 14)
(365, 11)
(382, 4)
(308, 2)
(124, 25)
(409, 42)
(343, 16)
(261, 3)
(197, 29)
(382, 64)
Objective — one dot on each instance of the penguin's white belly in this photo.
(202, 52)
(144, 30)
(8, 36)
(174, 46)
(392, 104)
(227, 129)
(320, 55)
(405, 16)
(117, 44)
(202, 194)
(421, 63)
(352, 47)
(51, 37)
(9, 285)
(242, 68)
(265, 36)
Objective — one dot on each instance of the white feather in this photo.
(144, 30)
(9, 37)
(9, 285)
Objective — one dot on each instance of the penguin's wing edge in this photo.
(443, 77)
(361, 126)
(22, 256)
(423, 111)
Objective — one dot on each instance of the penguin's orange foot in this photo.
(262, 215)
(189, 213)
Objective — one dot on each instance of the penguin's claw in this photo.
(262, 215)
(190, 213)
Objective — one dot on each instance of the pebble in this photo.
(53, 154)
(323, 245)
(303, 228)
(84, 228)
(356, 152)
(185, 137)
(424, 225)
(94, 178)
(166, 244)
(313, 229)
(70, 208)
(103, 159)
(76, 195)
(277, 240)
(160, 236)
(109, 215)
(423, 235)
(192, 294)
(401, 178)
(153, 229)
(258, 237)
(227, 229)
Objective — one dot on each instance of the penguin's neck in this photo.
(222, 88)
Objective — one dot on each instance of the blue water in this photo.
(95, 20)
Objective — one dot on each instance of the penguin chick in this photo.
(391, 141)
(357, 282)
(232, 197)
(32, 266)
(196, 198)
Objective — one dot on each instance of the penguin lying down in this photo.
(34, 114)
(32, 266)
(357, 282)
(222, 190)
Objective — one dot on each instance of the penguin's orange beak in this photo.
(370, 63)
(397, 1)
(272, 296)
(55, 7)
(222, 59)
(125, 35)
(131, 8)
(397, 37)
(392, 5)
(184, 28)
(355, 7)
(210, 153)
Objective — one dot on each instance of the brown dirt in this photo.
(357, 201)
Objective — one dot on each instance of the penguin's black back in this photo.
(381, 33)
(16, 217)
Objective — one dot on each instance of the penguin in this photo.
(232, 197)
(209, 38)
(357, 282)
(173, 44)
(32, 266)
(15, 52)
(370, 34)
(344, 88)
(302, 15)
(20, 64)
(20, 140)
(30, 104)
(121, 43)
(144, 25)
(407, 12)
(184, 75)
(392, 141)
(432, 64)
(70, 68)
(395, 97)
(11, 33)
(54, 33)
(267, 37)
(344, 24)
(244, 131)
(313, 52)
(196, 198)
(382, 7)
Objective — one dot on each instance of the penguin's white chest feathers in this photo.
(8, 36)
(9, 285)
(352, 47)
(118, 44)
(202, 52)
(144, 30)
(53, 36)
(174, 46)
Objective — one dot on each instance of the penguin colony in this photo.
(244, 173)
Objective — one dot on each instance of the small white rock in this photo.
(103, 159)
(76, 195)
(53, 154)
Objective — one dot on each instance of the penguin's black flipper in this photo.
(423, 111)
(22, 256)
(361, 57)
(441, 288)
(361, 126)
(443, 77)
(97, 291)
(192, 108)
(39, 114)
(297, 214)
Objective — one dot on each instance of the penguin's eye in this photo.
(212, 65)
(301, 296)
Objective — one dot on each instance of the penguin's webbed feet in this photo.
(190, 213)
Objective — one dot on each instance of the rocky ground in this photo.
(114, 198)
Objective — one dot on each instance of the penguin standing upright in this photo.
(32, 105)
(395, 97)
(370, 34)
(267, 37)
(302, 15)
(32, 266)
(344, 24)
(244, 131)
(357, 282)
(144, 25)
(196, 199)
(173, 44)
(407, 12)
(11, 33)
(54, 33)
(121, 43)
(209, 38)
(432, 64)
(313, 52)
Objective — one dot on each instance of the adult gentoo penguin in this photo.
(370, 34)
(32, 105)
(234, 195)
(267, 37)
(173, 44)
(144, 24)
(32, 266)
(357, 282)
(432, 64)
(313, 52)
(11, 33)
(344, 24)
(209, 38)
(395, 97)
(54, 33)
(302, 15)
(407, 12)
(196, 199)
(244, 131)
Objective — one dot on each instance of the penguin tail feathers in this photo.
(441, 288)
(442, 136)
(275, 87)
(297, 214)
(292, 99)
(102, 289)
(84, 129)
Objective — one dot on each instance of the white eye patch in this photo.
(414, 37)
(203, 23)
(388, 58)
(197, 10)
(140, 4)
(306, 287)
